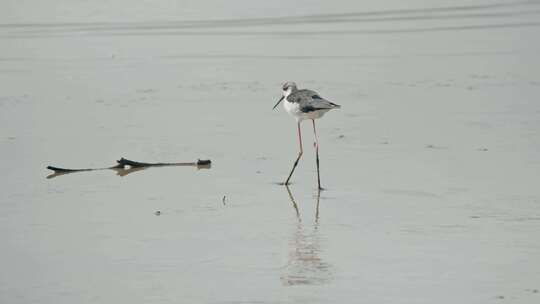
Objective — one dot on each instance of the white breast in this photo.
(293, 109)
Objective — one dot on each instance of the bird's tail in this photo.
(335, 105)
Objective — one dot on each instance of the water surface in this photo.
(431, 166)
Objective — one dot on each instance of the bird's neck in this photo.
(290, 91)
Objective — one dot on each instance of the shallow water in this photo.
(431, 166)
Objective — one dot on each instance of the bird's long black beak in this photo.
(278, 102)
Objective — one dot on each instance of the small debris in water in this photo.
(341, 136)
(500, 297)
(434, 147)
(482, 149)
(147, 91)
(475, 216)
(158, 213)
(384, 143)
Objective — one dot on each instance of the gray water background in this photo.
(431, 166)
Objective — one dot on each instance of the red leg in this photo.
(299, 154)
(317, 154)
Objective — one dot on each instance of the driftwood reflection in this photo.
(126, 166)
(304, 265)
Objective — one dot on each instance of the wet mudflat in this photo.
(431, 166)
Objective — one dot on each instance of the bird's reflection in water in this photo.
(304, 265)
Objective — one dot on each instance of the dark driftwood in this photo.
(126, 166)
(56, 169)
(131, 163)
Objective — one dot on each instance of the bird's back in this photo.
(310, 99)
(308, 104)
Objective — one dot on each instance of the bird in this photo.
(304, 104)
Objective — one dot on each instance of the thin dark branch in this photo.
(126, 166)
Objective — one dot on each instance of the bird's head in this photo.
(288, 88)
